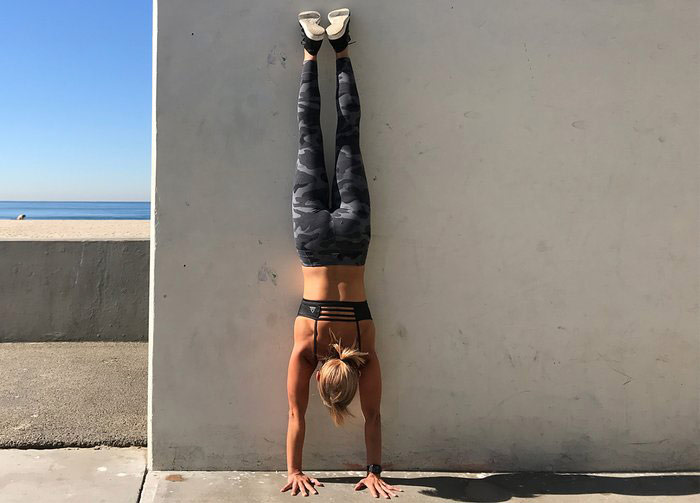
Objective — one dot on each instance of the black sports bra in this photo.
(335, 310)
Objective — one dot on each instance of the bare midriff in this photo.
(334, 282)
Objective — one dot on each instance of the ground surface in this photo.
(113, 475)
(108, 475)
(73, 229)
(65, 394)
(216, 487)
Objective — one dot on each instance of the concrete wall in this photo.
(533, 272)
(74, 291)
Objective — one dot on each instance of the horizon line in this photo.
(73, 201)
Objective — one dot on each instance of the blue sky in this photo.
(76, 100)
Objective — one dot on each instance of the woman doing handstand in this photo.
(332, 234)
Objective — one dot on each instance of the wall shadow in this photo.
(503, 487)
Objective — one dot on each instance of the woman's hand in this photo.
(377, 486)
(300, 482)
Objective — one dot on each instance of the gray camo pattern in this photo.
(337, 233)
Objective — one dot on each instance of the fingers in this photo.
(315, 481)
(388, 488)
(393, 488)
(382, 492)
(301, 489)
(287, 487)
(309, 486)
(372, 489)
(378, 488)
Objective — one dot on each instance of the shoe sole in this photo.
(339, 21)
(309, 21)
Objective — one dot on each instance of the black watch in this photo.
(376, 469)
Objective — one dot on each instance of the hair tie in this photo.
(352, 362)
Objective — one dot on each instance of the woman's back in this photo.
(334, 282)
(341, 283)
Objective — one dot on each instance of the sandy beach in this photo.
(72, 230)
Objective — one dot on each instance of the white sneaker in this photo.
(339, 20)
(309, 21)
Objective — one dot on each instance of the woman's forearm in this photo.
(296, 428)
(373, 440)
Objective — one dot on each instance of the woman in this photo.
(334, 324)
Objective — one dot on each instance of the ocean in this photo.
(75, 210)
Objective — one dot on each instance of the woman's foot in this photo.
(312, 31)
(338, 31)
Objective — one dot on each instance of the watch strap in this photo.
(376, 469)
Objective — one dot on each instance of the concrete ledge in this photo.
(92, 290)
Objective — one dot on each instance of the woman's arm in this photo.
(370, 401)
(298, 376)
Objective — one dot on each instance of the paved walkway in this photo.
(108, 475)
(219, 487)
(73, 394)
(116, 475)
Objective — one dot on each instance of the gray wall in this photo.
(74, 291)
(533, 268)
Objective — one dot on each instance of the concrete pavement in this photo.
(263, 487)
(73, 394)
(116, 475)
(97, 475)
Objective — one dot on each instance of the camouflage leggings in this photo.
(338, 233)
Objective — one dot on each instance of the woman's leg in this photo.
(350, 194)
(310, 193)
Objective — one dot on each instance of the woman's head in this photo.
(338, 379)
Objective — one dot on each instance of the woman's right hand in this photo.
(300, 482)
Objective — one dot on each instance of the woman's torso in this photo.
(337, 282)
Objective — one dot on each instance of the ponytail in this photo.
(339, 379)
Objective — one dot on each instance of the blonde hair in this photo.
(339, 377)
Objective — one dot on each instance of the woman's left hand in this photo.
(377, 486)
